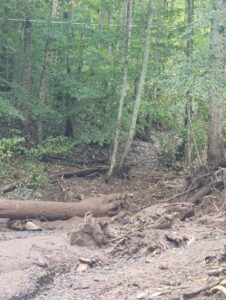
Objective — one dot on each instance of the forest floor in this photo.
(146, 256)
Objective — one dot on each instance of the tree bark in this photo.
(139, 91)
(49, 210)
(27, 71)
(216, 88)
(123, 14)
(128, 32)
(110, 22)
(68, 128)
(187, 143)
(44, 76)
(101, 15)
(143, 4)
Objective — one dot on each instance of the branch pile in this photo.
(209, 183)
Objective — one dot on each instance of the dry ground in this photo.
(141, 260)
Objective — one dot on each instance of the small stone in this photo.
(41, 263)
(96, 279)
(142, 295)
(82, 267)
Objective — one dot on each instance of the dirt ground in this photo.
(150, 253)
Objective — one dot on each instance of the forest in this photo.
(112, 135)
(77, 73)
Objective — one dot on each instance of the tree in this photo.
(188, 105)
(139, 89)
(128, 32)
(44, 75)
(82, 75)
(216, 87)
(110, 22)
(68, 128)
(27, 71)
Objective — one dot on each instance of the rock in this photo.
(142, 295)
(82, 267)
(41, 263)
(21, 225)
(90, 234)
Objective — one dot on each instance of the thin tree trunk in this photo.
(143, 4)
(188, 104)
(27, 71)
(44, 76)
(123, 13)
(139, 91)
(68, 129)
(110, 22)
(128, 32)
(216, 89)
(173, 2)
(166, 4)
(101, 15)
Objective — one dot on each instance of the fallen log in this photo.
(201, 193)
(206, 190)
(80, 173)
(98, 205)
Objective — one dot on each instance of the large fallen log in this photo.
(98, 205)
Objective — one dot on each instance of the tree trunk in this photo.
(110, 22)
(44, 76)
(101, 15)
(139, 91)
(143, 4)
(216, 88)
(128, 31)
(166, 4)
(187, 143)
(27, 71)
(123, 14)
(49, 210)
(68, 128)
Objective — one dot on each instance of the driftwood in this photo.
(206, 190)
(81, 173)
(48, 210)
(191, 295)
(201, 186)
(89, 172)
(201, 193)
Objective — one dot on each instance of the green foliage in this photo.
(167, 151)
(52, 145)
(10, 147)
(8, 111)
(84, 77)
(39, 177)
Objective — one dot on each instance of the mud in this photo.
(150, 252)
